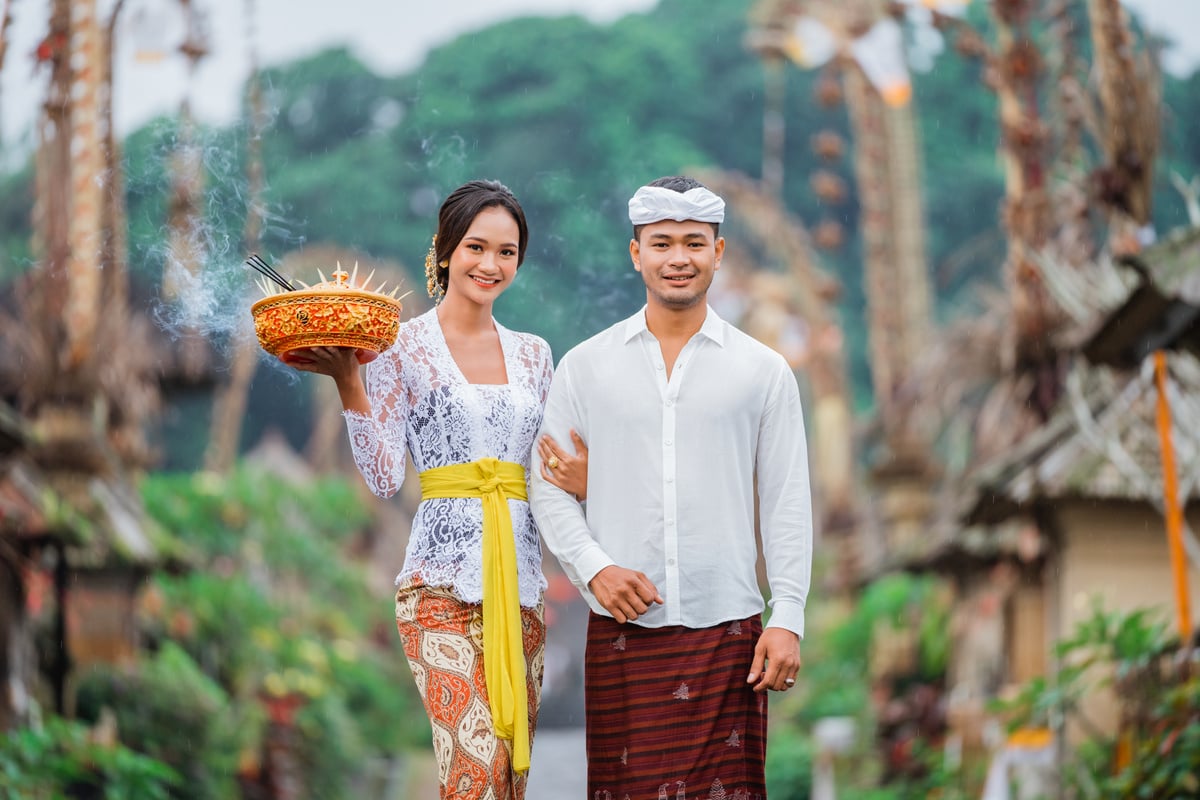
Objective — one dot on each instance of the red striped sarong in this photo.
(670, 715)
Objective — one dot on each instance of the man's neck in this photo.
(667, 323)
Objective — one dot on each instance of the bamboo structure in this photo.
(85, 201)
(5, 25)
(896, 269)
(895, 265)
(186, 246)
(229, 407)
(1028, 216)
(887, 179)
(786, 241)
(1171, 504)
(1131, 97)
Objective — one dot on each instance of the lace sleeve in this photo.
(378, 440)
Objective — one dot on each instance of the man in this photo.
(681, 413)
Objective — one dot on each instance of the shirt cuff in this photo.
(787, 614)
(591, 563)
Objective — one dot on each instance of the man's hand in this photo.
(779, 650)
(624, 593)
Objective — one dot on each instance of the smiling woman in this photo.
(464, 395)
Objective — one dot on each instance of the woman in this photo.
(465, 395)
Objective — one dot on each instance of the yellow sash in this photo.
(503, 654)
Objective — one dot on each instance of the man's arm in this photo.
(624, 593)
(560, 518)
(785, 514)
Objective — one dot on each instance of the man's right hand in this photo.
(624, 593)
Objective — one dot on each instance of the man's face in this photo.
(677, 261)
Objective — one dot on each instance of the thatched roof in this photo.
(1139, 304)
(99, 519)
(30, 511)
(1102, 443)
(111, 525)
(961, 550)
(1173, 265)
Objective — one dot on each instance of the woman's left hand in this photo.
(566, 471)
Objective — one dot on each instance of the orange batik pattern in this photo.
(443, 641)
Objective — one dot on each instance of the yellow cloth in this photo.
(494, 481)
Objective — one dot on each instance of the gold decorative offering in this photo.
(336, 313)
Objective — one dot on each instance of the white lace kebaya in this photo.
(421, 400)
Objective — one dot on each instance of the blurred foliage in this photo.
(836, 681)
(62, 759)
(789, 762)
(281, 609)
(167, 708)
(1157, 687)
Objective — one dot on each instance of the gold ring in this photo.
(552, 462)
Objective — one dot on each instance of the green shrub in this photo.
(789, 764)
(60, 759)
(1159, 702)
(168, 709)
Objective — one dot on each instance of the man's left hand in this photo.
(776, 660)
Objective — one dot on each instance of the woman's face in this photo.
(485, 261)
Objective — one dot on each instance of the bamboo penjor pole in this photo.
(1173, 511)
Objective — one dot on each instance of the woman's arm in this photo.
(376, 411)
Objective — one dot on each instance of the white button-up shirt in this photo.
(671, 473)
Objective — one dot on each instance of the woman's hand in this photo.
(339, 363)
(566, 471)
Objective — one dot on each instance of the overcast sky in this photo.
(391, 36)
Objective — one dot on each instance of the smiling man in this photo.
(682, 414)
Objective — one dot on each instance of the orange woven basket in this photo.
(329, 314)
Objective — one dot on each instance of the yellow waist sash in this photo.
(494, 481)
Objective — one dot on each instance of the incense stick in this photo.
(256, 263)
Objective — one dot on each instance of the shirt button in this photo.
(670, 562)
(670, 403)
(667, 442)
(670, 479)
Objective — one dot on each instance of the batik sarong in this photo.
(443, 641)
(670, 715)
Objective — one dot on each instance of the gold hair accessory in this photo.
(431, 282)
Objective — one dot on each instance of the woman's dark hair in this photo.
(459, 210)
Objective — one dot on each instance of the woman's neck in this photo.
(464, 317)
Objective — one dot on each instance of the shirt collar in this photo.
(713, 327)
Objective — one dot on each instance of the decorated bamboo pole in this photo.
(5, 25)
(1171, 506)
(232, 398)
(86, 201)
(895, 264)
(186, 246)
(1027, 213)
(1130, 96)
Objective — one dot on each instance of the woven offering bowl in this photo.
(332, 313)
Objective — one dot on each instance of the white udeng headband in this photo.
(656, 203)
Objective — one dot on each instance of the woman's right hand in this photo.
(339, 363)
